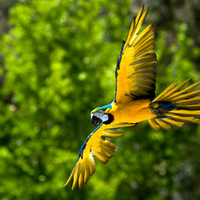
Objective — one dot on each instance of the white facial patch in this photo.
(104, 118)
(101, 115)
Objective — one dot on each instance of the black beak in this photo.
(96, 121)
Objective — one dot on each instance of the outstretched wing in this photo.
(135, 71)
(94, 146)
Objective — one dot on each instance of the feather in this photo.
(162, 95)
(163, 125)
(136, 56)
(172, 122)
(95, 145)
(92, 165)
(188, 101)
(191, 87)
(186, 112)
(183, 105)
(101, 156)
(112, 134)
(80, 180)
(184, 119)
(177, 88)
(87, 170)
(187, 96)
(154, 125)
(190, 107)
(76, 174)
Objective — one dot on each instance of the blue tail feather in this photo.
(167, 107)
(164, 105)
(161, 117)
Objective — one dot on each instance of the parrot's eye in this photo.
(95, 120)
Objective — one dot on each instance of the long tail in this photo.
(175, 106)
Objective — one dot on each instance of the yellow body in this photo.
(131, 112)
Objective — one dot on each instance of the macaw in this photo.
(135, 101)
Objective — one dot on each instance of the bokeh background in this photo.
(57, 61)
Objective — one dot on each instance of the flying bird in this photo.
(135, 101)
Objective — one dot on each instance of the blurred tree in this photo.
(59, 61)
(4, 14)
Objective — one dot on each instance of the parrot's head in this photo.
(99, 116)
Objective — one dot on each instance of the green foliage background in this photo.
(57, 64)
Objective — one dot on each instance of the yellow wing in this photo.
(94, 146)
(135, 71)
